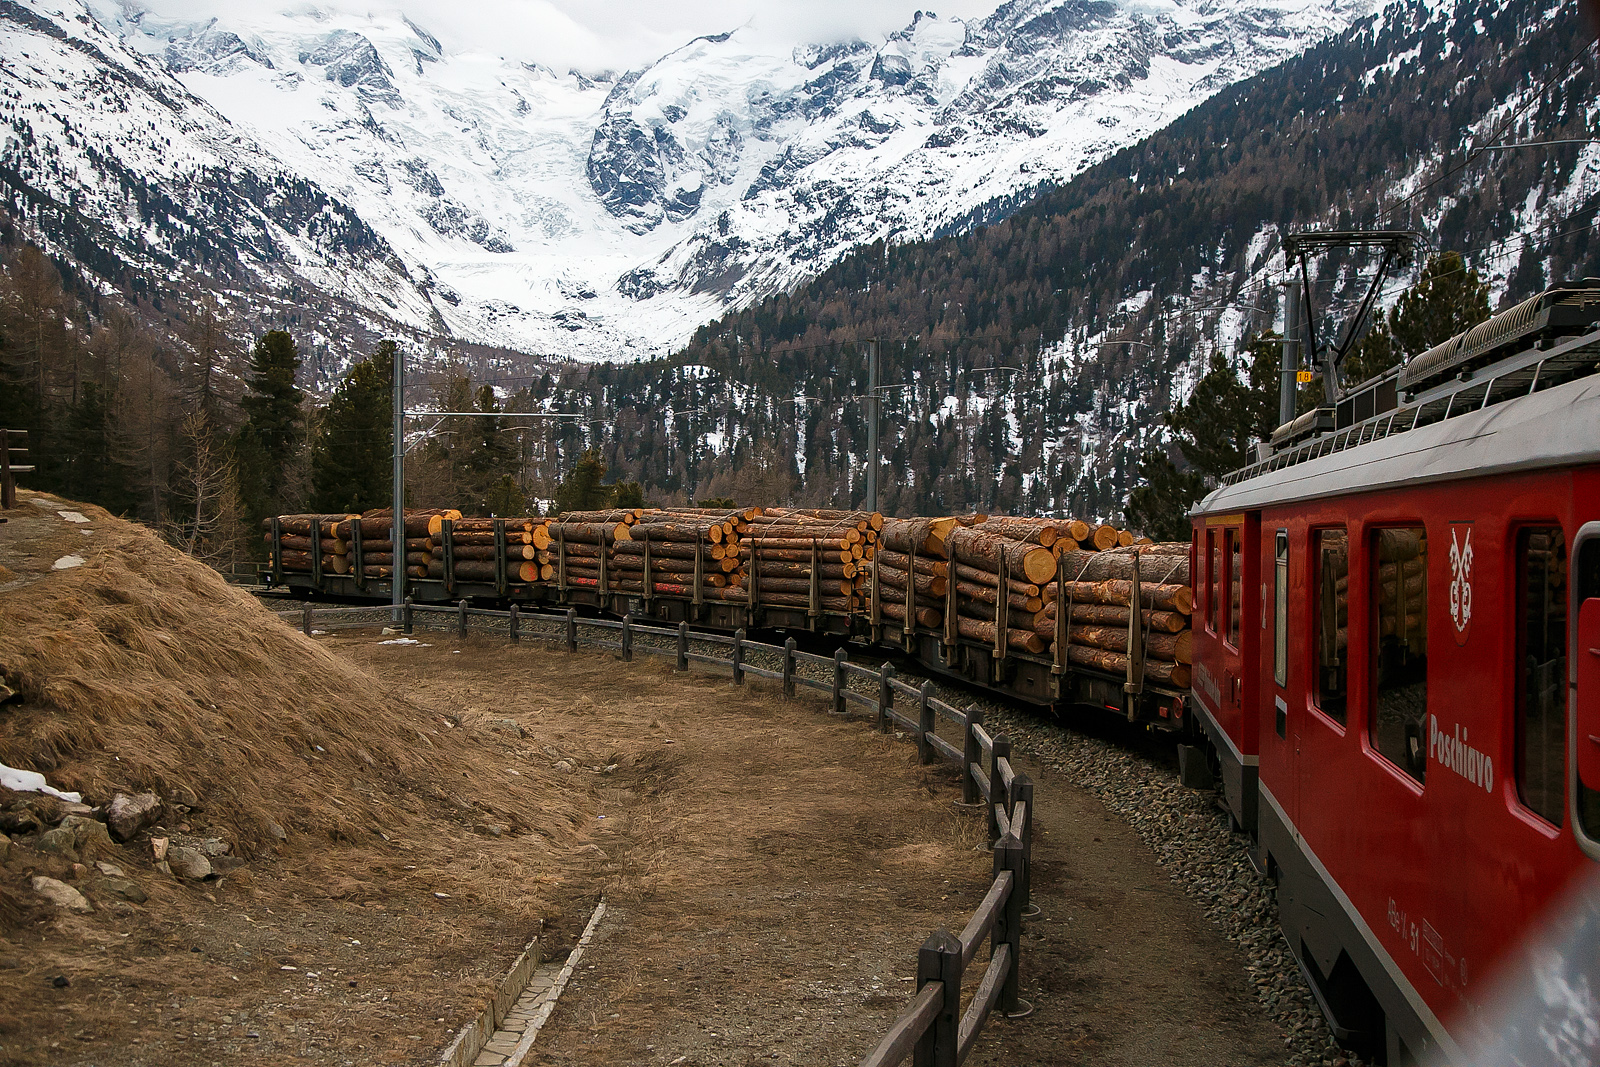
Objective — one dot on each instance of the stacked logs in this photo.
(473, 549)
(296, 543)
(376, 530)
(791, 552)
(1096, 594)
(613, 550)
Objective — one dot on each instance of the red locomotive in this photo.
(1398, 668)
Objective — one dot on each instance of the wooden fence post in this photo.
(939, 960)
(572, 629)
(516, 629)
(972, 753)
(885, 696)
(683, 645)
(305, 619)
(627, 635)
(1022, 793)
(738, 657)
(788, 668)
(1008, 923)
(925, 723)
(839, 659)
(407, 617)
(1001, 795)
(461, 616)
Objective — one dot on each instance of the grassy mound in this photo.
(141, 670)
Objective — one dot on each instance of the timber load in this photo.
(1068, 591)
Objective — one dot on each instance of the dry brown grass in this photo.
(142, 670)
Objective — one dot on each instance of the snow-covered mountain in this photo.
(473, 193)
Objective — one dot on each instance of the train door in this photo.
(1584, 737)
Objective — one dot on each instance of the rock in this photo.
(61, 981)
(277, 831)
(125, 888)
(58, 842)
(565, 766)
(508, 726)
(110, 869)
(188, 862)
(158, 848)
(211, 847)
(8, 694)
(127, 815)
(5, 848)
(60, 894)
(90, 835)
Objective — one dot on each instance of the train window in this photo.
(1280, 611)
(1542, 669)
(1235, 585)
(1399, 641)
(1214, 550)
(1586, 583)
(1331, 618)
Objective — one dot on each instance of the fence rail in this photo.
(933, 1027)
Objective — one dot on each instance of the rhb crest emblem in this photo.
(1461, 579)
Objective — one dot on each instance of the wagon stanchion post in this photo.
(277, 551)
(305, 619)
(971, 757)
(572, 629)
(407, 616)
(627, 636)
(515, 628)
(1000, 794)
(939, 960)
(788, 668)
(738, 657)
(358, 556)
(1008, 924)
(316, 554)
(447, 531)
(925, 723)
(683, 646)
(500, 564)
(885, 696)
(839, 659)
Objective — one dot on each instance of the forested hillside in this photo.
(1367, 129)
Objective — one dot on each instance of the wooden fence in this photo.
(933, 1028)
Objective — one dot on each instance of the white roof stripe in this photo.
(1558, 427)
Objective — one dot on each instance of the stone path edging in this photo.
(464, 1050)
(543, 1001)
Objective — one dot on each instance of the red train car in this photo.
(1397, 665)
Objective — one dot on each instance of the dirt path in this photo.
(767, 881)
(1121, 967)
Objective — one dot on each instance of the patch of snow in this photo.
(406, 641)
(33, 782)
(67, 563)
(74, 516)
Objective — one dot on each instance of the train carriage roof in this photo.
(1557, 427)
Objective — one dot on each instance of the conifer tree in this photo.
(1448, 299)
(352, 461)
(581, 489)
(1215, 430)
(273, 429)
